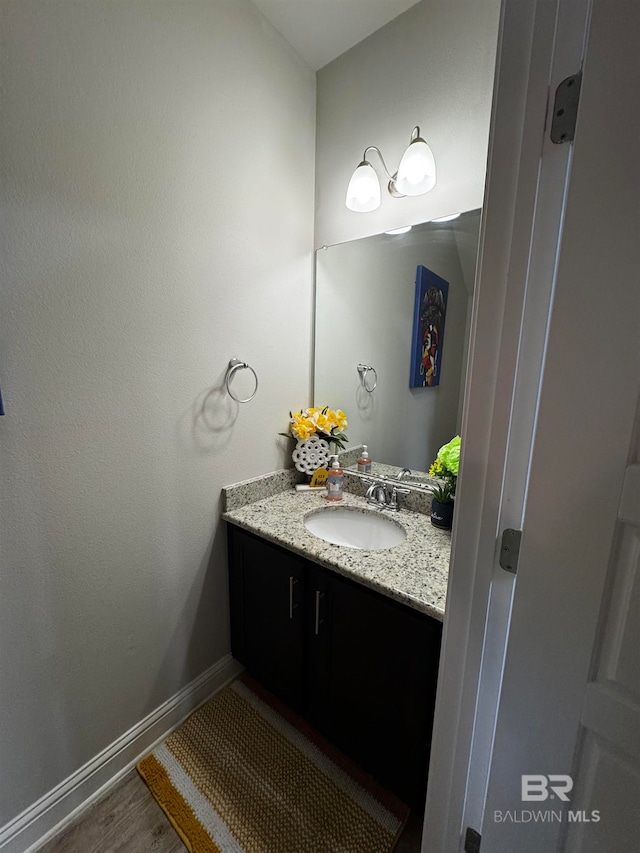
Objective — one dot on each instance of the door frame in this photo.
(552, 713)
(539, 43)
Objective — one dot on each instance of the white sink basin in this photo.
(355, 528)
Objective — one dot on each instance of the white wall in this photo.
(365, 294)
(433, 66)
(138, 258)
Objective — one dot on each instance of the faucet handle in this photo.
(395, 491)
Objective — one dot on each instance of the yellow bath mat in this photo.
(245, 775)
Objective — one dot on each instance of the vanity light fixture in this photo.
(416, 175)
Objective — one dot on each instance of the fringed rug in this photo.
(245, 775)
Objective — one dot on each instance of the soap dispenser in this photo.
(335, 484)
(364, 463)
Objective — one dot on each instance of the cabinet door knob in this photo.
(319, 595)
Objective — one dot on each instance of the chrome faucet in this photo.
(404, 473)
(377, 494)
(385, 496)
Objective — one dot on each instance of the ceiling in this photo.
(320, 30)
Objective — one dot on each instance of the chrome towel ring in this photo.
(363, 370)
(234, 366)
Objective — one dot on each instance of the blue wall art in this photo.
(429, 314)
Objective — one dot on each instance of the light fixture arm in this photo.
(391, 186)
(390, 177)
(415, 134)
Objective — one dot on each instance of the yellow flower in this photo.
(302, 427)
(341, 420)
(307, 422)
(437, 469)
(302, 430)
(322, 422)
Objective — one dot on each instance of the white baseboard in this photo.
(51, 813)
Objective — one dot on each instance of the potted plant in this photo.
(445, 469)
(314, 430)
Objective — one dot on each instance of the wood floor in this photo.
(128, 820)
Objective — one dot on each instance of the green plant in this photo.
(445, 469)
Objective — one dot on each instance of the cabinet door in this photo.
(373, 671)
(266, 588)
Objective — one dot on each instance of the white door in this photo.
(570, 697)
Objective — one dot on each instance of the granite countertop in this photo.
(414, 572)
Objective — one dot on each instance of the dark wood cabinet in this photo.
(361, 667)
(371, 681)
(268, 614)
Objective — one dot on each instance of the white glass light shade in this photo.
(363, 192)
(417, 169)
(404, 230)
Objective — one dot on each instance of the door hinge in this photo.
(472, 841)
(565, 109)
(510, 549)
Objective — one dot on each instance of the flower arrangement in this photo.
(445, 469)
(326, 423)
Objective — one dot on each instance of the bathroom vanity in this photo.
(349, 639)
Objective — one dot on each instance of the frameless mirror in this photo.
(391, 357)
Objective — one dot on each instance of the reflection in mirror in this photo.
(365, 300)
